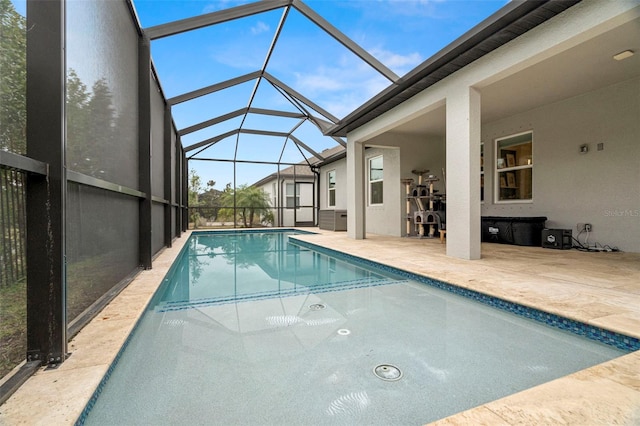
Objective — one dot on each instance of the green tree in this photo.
(249, 201)
(13, 125)
(101, 128)
(13, 79)
(195, 187)
(210, 201)
(77, 122)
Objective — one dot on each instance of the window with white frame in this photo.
(293, 195)
(375, 180)
(514, 168)
(331, 188)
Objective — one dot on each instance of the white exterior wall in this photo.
(581, 23)
(273, 196)
(340, 167)
(306, 199)
(384, 219)
(416, 153)
(599, 187)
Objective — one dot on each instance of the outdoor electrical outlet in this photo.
(584, 227)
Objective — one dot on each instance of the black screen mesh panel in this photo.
(13, 80)
(102, 244)
(157, 141)
(173, 222)
(174, 193)
(13, 276)
(102, 88)
(157, 231)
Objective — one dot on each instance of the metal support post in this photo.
(144, 150)
(178, 187)
(46, 195)
(168, 129)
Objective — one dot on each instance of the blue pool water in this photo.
(254, 328)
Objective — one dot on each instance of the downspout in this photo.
(278, 197)
(316, 201)
(295, 197)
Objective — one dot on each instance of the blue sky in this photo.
(399, 33)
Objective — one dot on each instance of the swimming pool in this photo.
(292, 334)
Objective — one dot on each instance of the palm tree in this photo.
(249, 199)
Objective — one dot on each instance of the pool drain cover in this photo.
(317, 307)
(387, 372)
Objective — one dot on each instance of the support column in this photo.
(463, 174)
(168, 195)
(185, 194)
(46, 195)
(356, 220)
(178, 187)
(144, 150)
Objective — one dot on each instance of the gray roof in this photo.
(302, 170)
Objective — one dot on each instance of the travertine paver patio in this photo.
(602, 289)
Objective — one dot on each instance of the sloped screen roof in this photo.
(263, 82)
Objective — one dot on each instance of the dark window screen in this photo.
(102, 106)
(102, 243)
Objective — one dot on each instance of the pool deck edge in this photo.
(58, 396)
(608, 393)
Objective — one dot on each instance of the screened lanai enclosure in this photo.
(102, 165)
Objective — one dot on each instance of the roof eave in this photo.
(498, 21)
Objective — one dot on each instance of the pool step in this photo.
(318, 288)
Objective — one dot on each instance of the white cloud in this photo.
(221, 5)
(391, 59)
(397, 62)
(318, 82)
(394, 8)
(260, 27)
(340, 89)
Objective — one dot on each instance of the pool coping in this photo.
(592, 332)
(64, 393)
(585, 330)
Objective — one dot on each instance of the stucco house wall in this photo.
(520, 87)
(340, 166)
(599, 187)
(569, 187)
(289, 216)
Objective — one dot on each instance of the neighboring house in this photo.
(293, 192)
(292, 195)
(544, 116)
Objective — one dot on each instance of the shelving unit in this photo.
(421, 199)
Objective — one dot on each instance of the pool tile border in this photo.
(345, 285)
(611, 338)
(599, 334)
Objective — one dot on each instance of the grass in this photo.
(87, 280)
(13, 325)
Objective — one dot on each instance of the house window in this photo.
(514, 168)
(293, 195)
(375, 180)
(331, 188)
